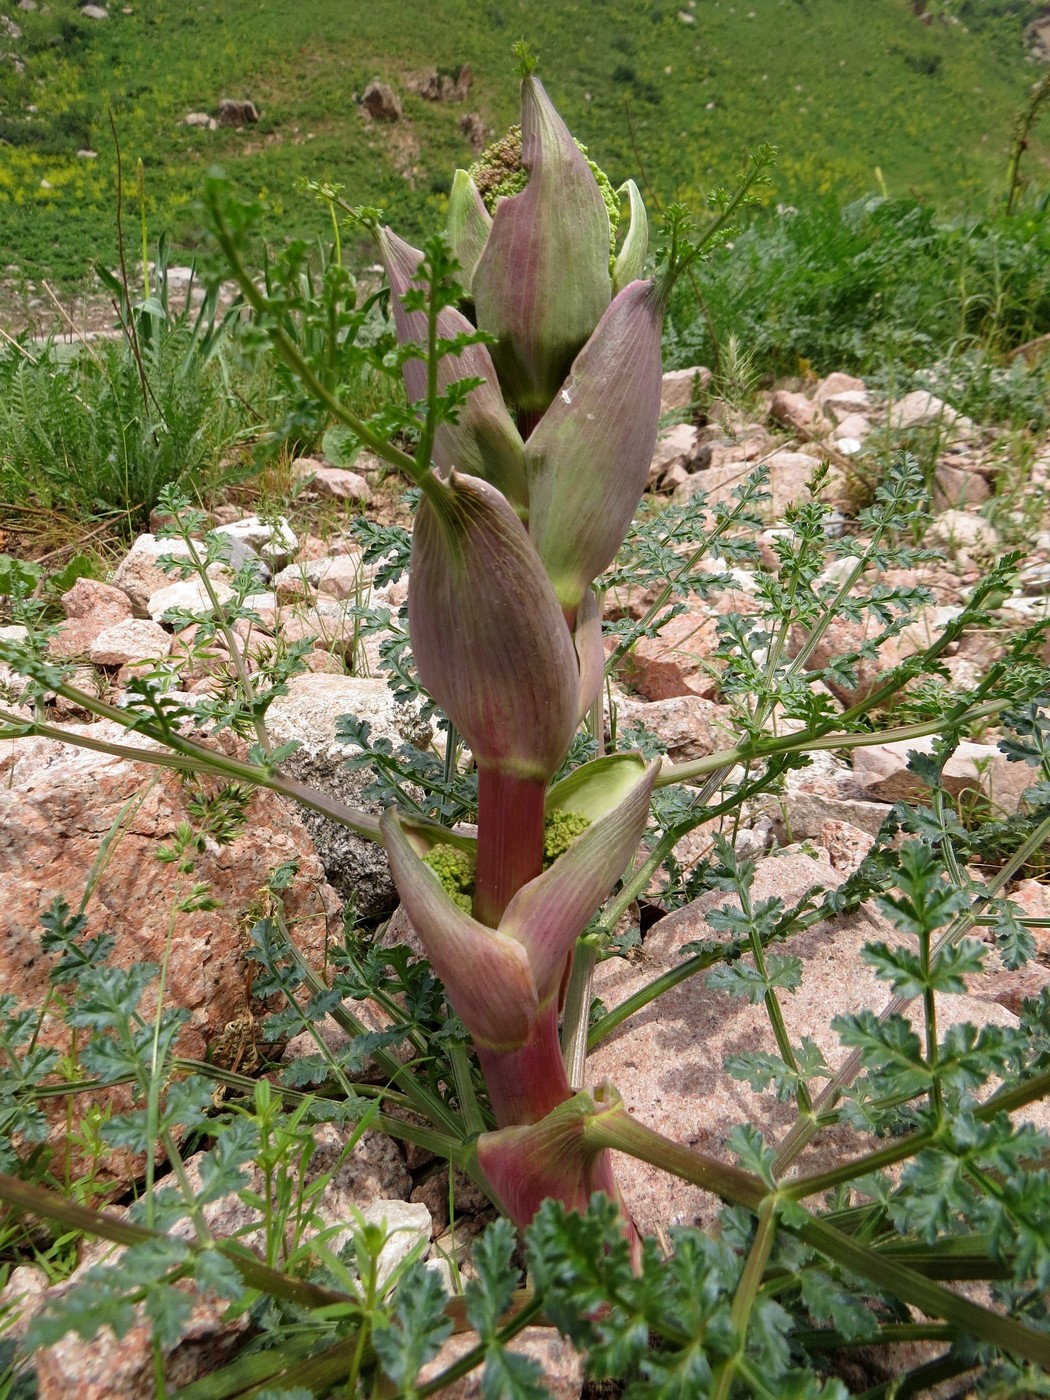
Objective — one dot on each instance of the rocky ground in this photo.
(58, 805)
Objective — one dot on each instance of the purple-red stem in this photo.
(525, 1085)
(510, 840)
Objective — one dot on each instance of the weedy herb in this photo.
(528, 433)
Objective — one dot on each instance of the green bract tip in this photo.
(526, 58)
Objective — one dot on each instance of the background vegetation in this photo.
(858, 97)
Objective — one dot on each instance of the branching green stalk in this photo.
(744, 1298)
(773, 1007)
(422, 1099)
(576, 1011)
(1006, 1101)
(232, 643)
(191, 757)
(473, 1121)
(291, 355)
(811, 740)
(626, 1134)
(47, 1205)
(803, 1130)
(664, 596)
(677, 264)
(193, 1208)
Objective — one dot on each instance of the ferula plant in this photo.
(539, 419)
(530, 348)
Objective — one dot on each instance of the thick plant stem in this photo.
(525, 1085)
(510, 840)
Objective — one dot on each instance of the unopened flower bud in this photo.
(543, 280)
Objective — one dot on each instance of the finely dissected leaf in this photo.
(485, 972)
(762, 1070)
(938, 1195)
(889, 1045)
(768, 1334)
(510, 1376)
(85, 1311)
(588, 459)
(489, 638)
(903, 969)
(549, 913)
(1014, 942)
(483, 441)
(467, 225)
(926, 901)
(218, 1274)
(543, 281)
(576, 1261)
(630, 261)
(418, 1327)
(827, 1301)
(740, 979)
(488, 1296)
(168, 1310)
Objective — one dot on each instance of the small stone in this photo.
(88, 598)
(855, 425)
(954, 486)
(381, 102)
(333, 483)
(136, 639)
(324, 663)
(846, 845)
(848, 403)
(91, 607)
(234, 112)
(201, 119)
(789, 475)
(881, 771)
(679, 661)
(139, 573)
(21, 1298)
(799, 414)
(687, 725)
(94, 12)
(189, 595)
(921, 409)
(342, 576)
(308, 714)
(680, 388)
(327, 623)
(962, 530)
(675, 447)
(406, 1224)
(836, 384)
(1035, 579)
(274, 541)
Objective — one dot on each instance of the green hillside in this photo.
(845, 88)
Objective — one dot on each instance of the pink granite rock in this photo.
(57, 807)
